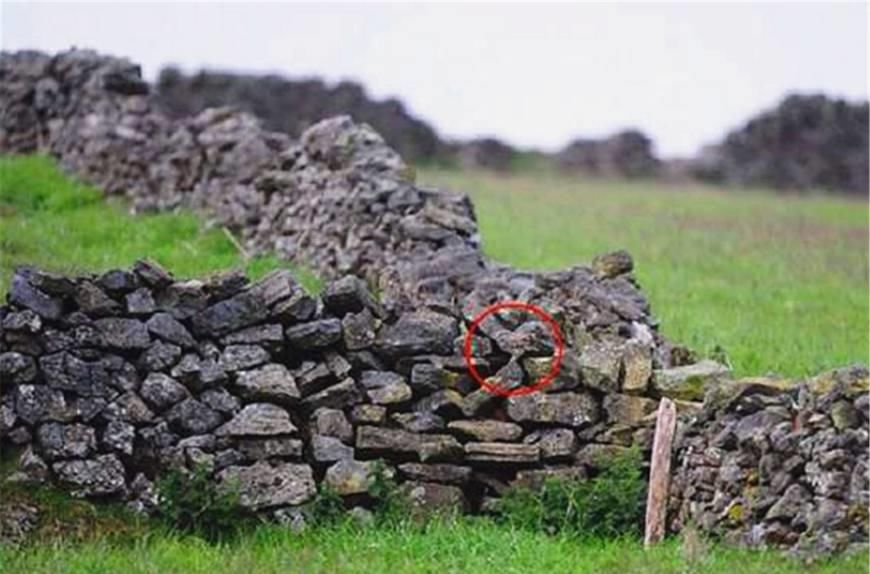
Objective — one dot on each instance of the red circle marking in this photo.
(558, 343)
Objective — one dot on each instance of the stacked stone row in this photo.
(782, 465)
(109, 381)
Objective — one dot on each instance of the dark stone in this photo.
(118, 281)
(272, 382)
(58, 441)
(265, 485)
(243, 310)
(118, 436)
(128, 408)
(166, 327)
(37, 403)
(444, 473)
(258, 419)
(385, 388)
(340, 395)
(502, 453)
(391, 442)
(417, 333)
(124, 334)
(555, 444)
(160, 356)
(220, 400)
(269, 336)
(100, 476)
(242, 357)
(360, 330)
(25, 321)
(23, 294)
(191, 417)
(140, 302)
(419, 422)
(152, 274)
(572, 409)
(299, 307)
(430, 497)
(67, 372)
(94, 302)
(487, 430)
(333, 423)
(16, 369)
(446, 403)
(349, 295)
(254, 449)
(162, 391)
(315, 334)
(325, 449)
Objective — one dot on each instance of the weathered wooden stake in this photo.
(660, 472)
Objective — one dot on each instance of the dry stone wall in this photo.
(771, 463)
(108, 381)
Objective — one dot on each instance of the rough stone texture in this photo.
(766, 464)
(264, 485)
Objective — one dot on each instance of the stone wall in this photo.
(110, 380)
(776, 463)
(291, 106)
(624, 154)
(805, 142)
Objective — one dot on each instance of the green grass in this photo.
(444, 546)
(50, 221)
(779, 282)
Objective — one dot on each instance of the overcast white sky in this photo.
(534, 75)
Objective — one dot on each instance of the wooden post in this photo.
(660, 473)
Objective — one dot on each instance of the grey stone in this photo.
(118, 437)
(375, 440)
(94, 302)
(191, 417)
(348, 477)
(438, 472)
(315, 334)
(23, 294)
(689, 382)
(272, 382)
(332, 423)
(329, 449)
(487, 430)
(243, 357)
(220, 400)
(16, 368)
(339, 395)
(253, 449)
(418, 332)
(628, 409)
(58, 441)
(348, 294)
(160, 356)
(418, 422)
(575, 409)
(162, 391)
(168, 328)
(555, 444)
(269, 336)
(385, 388)
(502, 453)
(99, 476)
(600, 364)
(37, 403)
(430, 497)
(25, 321)
(535, 478)
(264, 485)
(140, 302)
(258, 419)
(129, 408)
(368, 414)
(242, 310)
(124, 334)
(359, 330)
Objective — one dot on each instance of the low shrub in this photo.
(610, 504)
(192, 502)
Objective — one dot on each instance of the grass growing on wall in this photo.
(50, 221)
(779, 282)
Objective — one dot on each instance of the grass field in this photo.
(780, 283)
(464, 546)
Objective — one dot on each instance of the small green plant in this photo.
(391, 505)
(327, 508)
(610, 504)
(192, 502)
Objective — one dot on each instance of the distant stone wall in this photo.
(291, 106)
(805, 142)
(108, 381)
(624, 154)
(771, 463)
